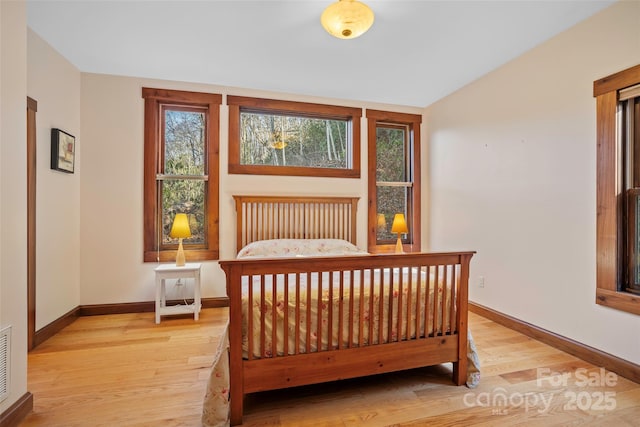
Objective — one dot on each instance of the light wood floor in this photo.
(124, 370)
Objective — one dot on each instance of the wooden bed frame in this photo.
(263, 218)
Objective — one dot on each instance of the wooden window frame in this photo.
(154, 99)
(609, 194)
(413, 122)
(304, 109)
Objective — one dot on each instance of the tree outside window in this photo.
(182, 180)
(272, 137)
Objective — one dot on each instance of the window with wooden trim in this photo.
(394, 178)
(181, 172)
(271, 137)
(618, 190)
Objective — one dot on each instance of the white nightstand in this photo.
(170, 271)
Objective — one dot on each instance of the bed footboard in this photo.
(298, 321)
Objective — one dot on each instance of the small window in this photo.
(394, 178)
(270, 137)
(181, 172)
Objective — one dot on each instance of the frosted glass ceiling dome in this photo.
(347, 19)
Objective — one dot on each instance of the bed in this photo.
(307, 306)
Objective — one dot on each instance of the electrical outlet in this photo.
(481, 282)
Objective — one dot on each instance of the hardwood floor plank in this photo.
(124, 370)
(533, 373)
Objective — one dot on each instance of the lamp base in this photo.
(399, 249)
(180, 259)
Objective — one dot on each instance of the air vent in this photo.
(5, 352)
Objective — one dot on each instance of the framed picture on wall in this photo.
(63, 151)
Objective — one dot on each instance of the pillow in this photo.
(299, 247)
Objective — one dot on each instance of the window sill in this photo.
(191, 255)
(623, 301)
(391, 249)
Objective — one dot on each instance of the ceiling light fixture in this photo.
(347, 19)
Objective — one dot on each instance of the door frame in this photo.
(32, 108)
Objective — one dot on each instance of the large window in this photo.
(181, 172)
(618, 185)
(394, 178)
(270, 137)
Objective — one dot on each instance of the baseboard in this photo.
(14, 414)
(100, 309)
(589, 354)
(54, 327)
(143, 307)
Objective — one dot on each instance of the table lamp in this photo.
(180, 230)
(399, 226)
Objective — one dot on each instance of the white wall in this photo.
(512, 171)
(55, 84)
(13, 191)
(112, 270)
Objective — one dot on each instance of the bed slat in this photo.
(297, 331)
(427, 304)
(361, 319)
(436, 299)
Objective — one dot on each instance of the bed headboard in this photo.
(291, 217)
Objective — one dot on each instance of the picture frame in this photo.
(63, 151)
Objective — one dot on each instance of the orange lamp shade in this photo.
(180, 228)
(399, 224)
